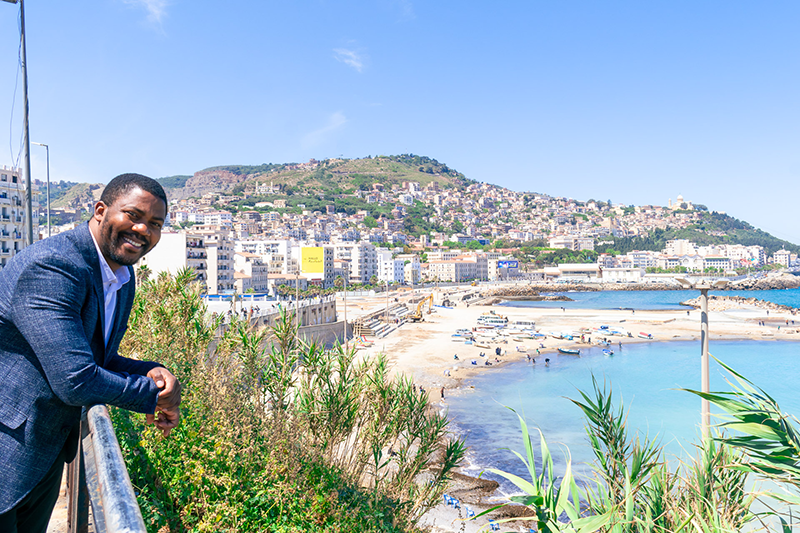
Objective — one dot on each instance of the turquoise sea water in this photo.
(653, 299)
(643, 375)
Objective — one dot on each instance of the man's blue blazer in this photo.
(53, 357)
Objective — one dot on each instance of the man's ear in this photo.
(99, 211)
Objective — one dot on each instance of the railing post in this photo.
(78, 510)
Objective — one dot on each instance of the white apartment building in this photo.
(443, 255)
(455, 270)
(680, 247)
(12, 213)
(250, 272)
(207, 249)
(572, 242)
(782, 257)
(719, 262)
(175, 251)
(411, 268)
(390, 269)
(273, 252)
(644, 259)
(363, 260)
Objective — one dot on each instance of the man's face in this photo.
(130, 227)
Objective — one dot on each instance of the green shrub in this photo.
(276, 435)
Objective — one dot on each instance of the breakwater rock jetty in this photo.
(776, 282)
(726, 303)
(533, 291)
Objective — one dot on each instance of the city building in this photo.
(12, 213)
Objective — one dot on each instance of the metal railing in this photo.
(98, 476)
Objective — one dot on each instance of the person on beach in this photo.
(442, 392)
(64, 308)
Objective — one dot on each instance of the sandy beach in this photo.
(425, 351)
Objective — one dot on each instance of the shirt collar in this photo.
(121, 277)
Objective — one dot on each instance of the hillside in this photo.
(315, 185)
(331, 176)
(714, 228)
(78, 195)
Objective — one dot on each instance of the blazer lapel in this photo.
(89, 252)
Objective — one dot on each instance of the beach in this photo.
(425, 351)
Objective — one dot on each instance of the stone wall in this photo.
(327, 334)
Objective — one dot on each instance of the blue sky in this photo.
(634, 101)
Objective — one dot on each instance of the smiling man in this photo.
(64, 308)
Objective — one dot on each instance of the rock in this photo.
(723, 303)
(771, 282)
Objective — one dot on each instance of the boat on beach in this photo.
(522, 349)
(643, 335)
(569, 351)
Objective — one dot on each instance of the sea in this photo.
(647, 378)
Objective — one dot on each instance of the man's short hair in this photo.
(125, 183)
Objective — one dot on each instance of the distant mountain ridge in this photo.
(340, 176)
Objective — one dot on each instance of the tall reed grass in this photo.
(276, 434)
(635, 489)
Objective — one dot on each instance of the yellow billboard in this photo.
(313, 260)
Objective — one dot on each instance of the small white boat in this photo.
(608, 353)
(643, 335)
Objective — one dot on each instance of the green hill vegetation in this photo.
(75, 195)
(346, 176)
(173, 182)
(713, 228)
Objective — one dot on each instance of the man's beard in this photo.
(112, 241)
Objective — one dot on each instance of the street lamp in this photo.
(387, 300)
(346, 341)
(47, 147)
(297, 296)
(26, 136)
(705, 386)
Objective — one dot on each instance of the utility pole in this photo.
(297, 296)
(26, 137)
(345, 313)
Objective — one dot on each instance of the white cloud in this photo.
(319, 136)
(156, 9)
(406, 9)
(349, 57)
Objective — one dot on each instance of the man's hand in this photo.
(166, 421)
(169, 400)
